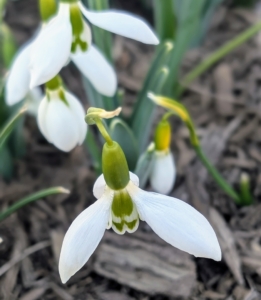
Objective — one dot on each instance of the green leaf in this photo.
(188, 14)
(17, 142)
(32, 198)
(165, 19)
(6, 163)
(207, 14)
(143, 112)
(144, 115)
(94, 151)
(121, 133)
(102, 38)
(144, 166)
(9, 127)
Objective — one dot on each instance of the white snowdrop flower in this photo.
(69, 36)
(18, 78)
(121, 205)
(163, 174)
(61, 118)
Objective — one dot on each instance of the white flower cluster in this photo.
(55, 43)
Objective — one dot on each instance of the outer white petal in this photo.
(163, 174)
(100, 184)
(99, 187)
(79, 112)
(51, 49)
(134, 178)
(97, 69)
(41, 117)
(122, 23)
(178, 223)
(83, 237)
(60, 125)
(33, 99)
(18, 80)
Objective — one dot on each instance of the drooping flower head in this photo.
(163, 173)
(121, 205)
(61, 117)
(68, 36)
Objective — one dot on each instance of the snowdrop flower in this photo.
(18, 79)
(68, 36)
(121, 205)
(61, 117)
(163, 174)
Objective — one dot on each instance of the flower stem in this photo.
(219, 54)
(217, 176)
(165, 19)
(29, 199)
(103, 131)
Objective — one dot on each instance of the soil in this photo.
(225, 104)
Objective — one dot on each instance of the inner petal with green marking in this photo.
(124, 213)
(81, 31)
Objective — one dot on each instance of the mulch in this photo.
(226, 108)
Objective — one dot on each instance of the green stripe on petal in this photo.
(124, 213)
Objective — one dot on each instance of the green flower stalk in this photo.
(178, 109)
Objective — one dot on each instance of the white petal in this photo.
(134, 178)
(41, 118)
(33, 99)
(100, 184)
(51, 49)
(122, 23)
(97, 69)
(61, 125)
(83, 237)
(18, 80)
(163, 174)
(87, 34)
(178, 223)
(99, 187)
(79, 113)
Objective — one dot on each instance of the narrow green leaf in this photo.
(165, 19)
(144, 115)
(144, 166)
(32, 198)
(121, 133)
(188, 14)
(94, 150)
(9, 127)
(6, 163)
(102, 38)
(162, 55)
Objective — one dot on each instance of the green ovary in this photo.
(124, 213)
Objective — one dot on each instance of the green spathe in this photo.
(48, 9)
(115, 167)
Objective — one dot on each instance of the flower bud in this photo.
(115, 167)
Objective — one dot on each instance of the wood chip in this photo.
(144, 262)
(227, 243)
